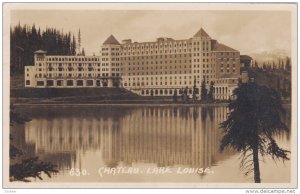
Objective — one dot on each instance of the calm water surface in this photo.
(93, 139)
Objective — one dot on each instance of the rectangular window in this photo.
(70, 82)
(59, 82)
(89, 82)
(40, 83)
(50, 83)
(79, 83)
(97, 82)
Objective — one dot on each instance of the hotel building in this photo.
(157, 68)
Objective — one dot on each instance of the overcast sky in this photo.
(246, 31)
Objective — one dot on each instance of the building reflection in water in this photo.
(165, 136)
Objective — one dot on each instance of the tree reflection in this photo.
(29, 167)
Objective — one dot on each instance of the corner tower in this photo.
(202, 63)
(110, 62)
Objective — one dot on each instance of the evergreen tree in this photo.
(79, 43)
(203, 91)
(73, 46)
(273, 65)
(255, 64)
(184, 95)
(25, 40)
(175, 96)
(253, 121)
(181, 92)
(211, 92)
(195, 91)
(288, 64)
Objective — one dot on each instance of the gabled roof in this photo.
(201, 33)
(111, 40)
(223, 47)
(40, 52)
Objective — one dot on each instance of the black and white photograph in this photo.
(150, 95)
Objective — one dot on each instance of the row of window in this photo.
(157, 62)
(185, 51)
(138, 58)
(40, 58)
(227, 71)
(54, 67)
(112, 49)
(156, 57)
(74, 75)
(60, 65)
(92, 67)
(110, 54)
(112, 59)
(91, 83)
(229, 81)
(165, 78)
(158, 67)
(152, 92)
(133, 69)
(156, 78)
(54, 75)
(73, 58)
(156, 46)
(157, 73)
(71, 69)
(228, 65)
(156, 52)
(130, 73)
(77, 82)
(183, 83)
(71, 64)
(204, 60)
(68, 83)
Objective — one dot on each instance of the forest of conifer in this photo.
(25, 40)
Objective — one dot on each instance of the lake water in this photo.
(138, 144)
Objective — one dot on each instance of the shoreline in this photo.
(128, 104)
(120, 104)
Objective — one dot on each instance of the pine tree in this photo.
(175, 96)
(203, 91)
(25, 40)
(255, 64)
(185, 94)
(250, 130)
(73, 46)
(211, 92)
(195, 91)
(288, 64)
(79, 42)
